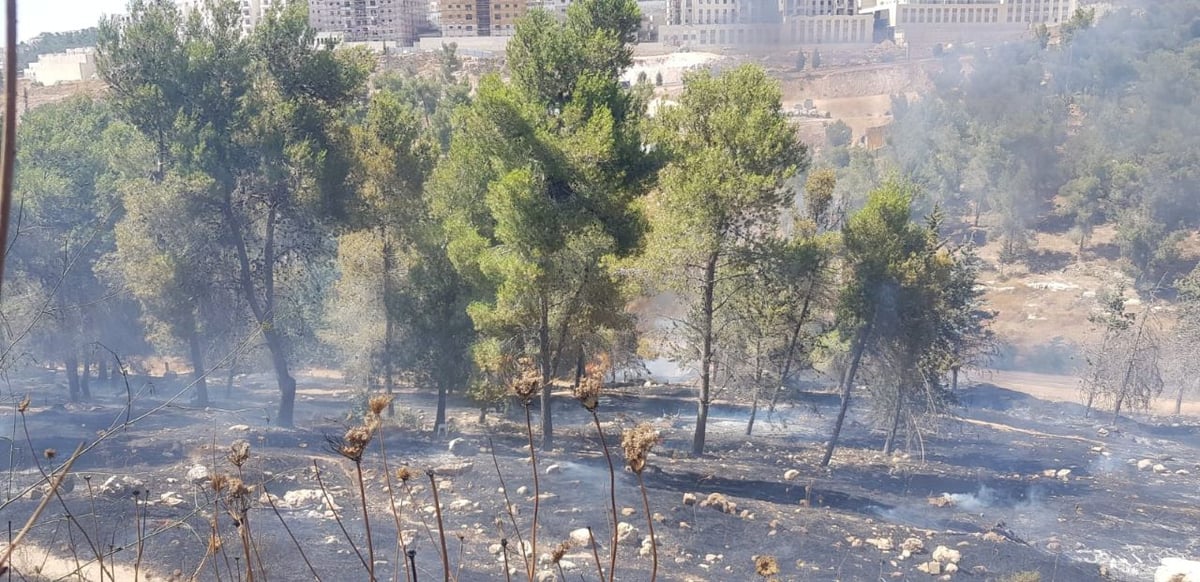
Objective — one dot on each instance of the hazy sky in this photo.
(38, 16)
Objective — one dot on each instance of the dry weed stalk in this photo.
(587, 392)
(353, 446)
(508, 509)
(637, 442)
(55, 483)
(379, 403)
(524, 387)
(437, 508)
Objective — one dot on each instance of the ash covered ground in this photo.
(1015, 484)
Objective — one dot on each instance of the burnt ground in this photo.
(998, 463)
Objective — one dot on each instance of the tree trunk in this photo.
(71, 362)
(389, 383)
(1179, 402)
(1087, 409)
(544, 356)
(891, 437)
(706, 354)
(198, 371)
(1117, 408)
(860, 346)
(265, 317)
(753, 411)
(85, 378)
(287, 384)
(954, 379)
(102, 369)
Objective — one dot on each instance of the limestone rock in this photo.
(933, 568)
(912, 546)
(689, 498)
(1144, 464)
(197, 474)
(553, 469)
(461, 447)
(791, 475)
(581, 538)
(627, 534)
(720, 503)
(943, 554)
(1177, 570)
(453, 469)
(881, 544)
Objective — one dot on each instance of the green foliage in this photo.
(731, 151)
(819, 189)
(838, 134)
(535, 195)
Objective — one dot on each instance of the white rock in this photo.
(791, 475)
(913, 545)
(944, 554)
(522, 490)
(1177, 570)
(304, 498)
(1182, 472)
(881, 544)
(1062, 473)
(461, 447)
(460, 504)
(197, 474)
(239, 428)
(552, 469)
(1144, 464)
(627, 534)
(581, 537)
(1160, 468)
(171, 499)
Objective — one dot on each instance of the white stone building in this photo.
(69, 67)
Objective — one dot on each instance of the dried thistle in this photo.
(404, 474)
(219, 482)
(588, 391)
(239, 453)
(238, 489)
(527, 382)
(556, 555)
(50, 454)
(353, 445)
(766, 566)
(24, 405)
(637, 443)
(378, 403)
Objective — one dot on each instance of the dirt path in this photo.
(1060, 388)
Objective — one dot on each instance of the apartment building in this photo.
(927, 22)
(722, 23)
(369, 20)
(252, 11)
(480, 17)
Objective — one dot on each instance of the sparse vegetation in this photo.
(264, 202)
